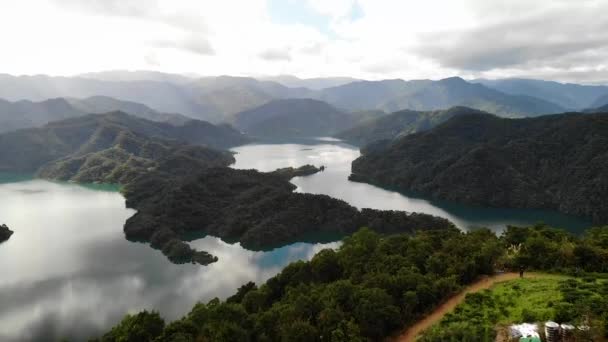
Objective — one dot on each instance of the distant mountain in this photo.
(554, 162)
(104, 104)
(28, 114)
(600, 102)
(310, 83)
(218, 99)
(425, 95)
(603, 109)
(293, 118)
(567, 95)
(399, 124)
(455, 91)
(366, 95)
(161, 96)
(138, 75)
(99, 145)
(228, 95)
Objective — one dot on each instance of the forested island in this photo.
(5, 233)
(373, 286)
(552, 162)
(260, 210)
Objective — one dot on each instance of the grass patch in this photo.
(547, 297)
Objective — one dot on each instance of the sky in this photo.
(562, 40)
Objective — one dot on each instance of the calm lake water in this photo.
(69, 272)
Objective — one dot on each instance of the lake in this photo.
(68, 271)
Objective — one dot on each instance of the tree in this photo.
(144, 326)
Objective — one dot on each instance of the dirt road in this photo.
(410, 334)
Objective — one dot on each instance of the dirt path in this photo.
(410, 334)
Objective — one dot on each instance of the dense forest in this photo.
(260, 210)
(553, 162)
(373, 286)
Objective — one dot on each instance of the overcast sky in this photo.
(565, 40)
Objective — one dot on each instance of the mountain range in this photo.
(553, 162)
(567, 95)
(109, 147)
(218, 99)
(28, 114)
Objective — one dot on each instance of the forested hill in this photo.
(293, 118)
(112, 147)
(28, 114)
(556, 162)
(374, 286)
(399, 124)
(261, 210)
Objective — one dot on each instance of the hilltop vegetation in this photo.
(582, 301)
(368, 288)
(372, 286)
(555, 162)
(399, 124)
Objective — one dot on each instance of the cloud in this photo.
(371, 39)
(194, 43)
(127, 8)
(547, 38)
(276, 55)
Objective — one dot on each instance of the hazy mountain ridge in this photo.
(567, 95)
(601, 102)
(28, 150)
(316, 83)
(104, 104)
(29, 114)
(137, 75)
(554, 162)
(293, 118)
(217, 99)
(398, 124)
(455, 91)
(25, 113)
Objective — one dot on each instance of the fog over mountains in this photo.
(218, 98)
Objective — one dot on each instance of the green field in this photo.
(549, 297)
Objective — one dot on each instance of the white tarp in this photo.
(524, 330)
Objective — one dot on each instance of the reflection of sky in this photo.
(68, 267)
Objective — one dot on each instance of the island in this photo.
(261, 210)
(5, 233)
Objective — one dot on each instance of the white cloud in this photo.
(558, 39)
